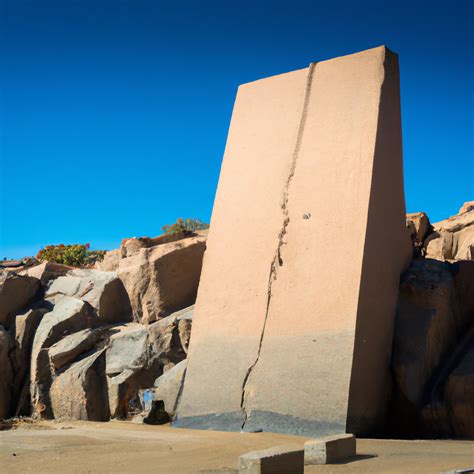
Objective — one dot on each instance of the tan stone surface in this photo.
(418, 225)
(110, 261)
(16, 292)
(47, 271)
(131, 246)
(80, 392)
(81, 447)
(466, 207)
(453, 238)
(310, 154)
(69, 315)
(163, 279)
(275, 460)
(104, 291)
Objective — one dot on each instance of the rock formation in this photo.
(165, 396)
(434, 335)
(293, 324)
(6, 374)
(16, 292)
(79, 392)
(453, 238)
(68, 346)
(159, 279)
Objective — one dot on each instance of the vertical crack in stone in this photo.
(277, 259)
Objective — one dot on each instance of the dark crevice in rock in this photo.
(277, 259)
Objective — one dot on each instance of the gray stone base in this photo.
(259, 420)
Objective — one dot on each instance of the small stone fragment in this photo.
(330, 449)
(277, 460)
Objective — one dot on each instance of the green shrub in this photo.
(184, 225)
(76, 255)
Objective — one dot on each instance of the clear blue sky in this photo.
(114, 114)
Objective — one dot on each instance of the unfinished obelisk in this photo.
(296, 304)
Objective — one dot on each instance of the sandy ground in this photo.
(121, 447)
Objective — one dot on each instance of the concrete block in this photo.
(277, 460)
(330, 449)
(299, 286)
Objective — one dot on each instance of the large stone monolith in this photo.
(295, 310)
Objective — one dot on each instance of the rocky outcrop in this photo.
(163, 279)
(184, 319)
(71, 347)
(419, 226)
(466, 207)
(453, 238)
(137, 355)
(110, 262)
(68, 316)
(433, 330)
(104, 291)
(170, 337)
(166, 393)
(79, 392)
(432, 337)
(67, 331)
(23, 332)
(47, 271)
(6, 374)
(16, 292)
(132, 246)
(128, 355)
(425, 329)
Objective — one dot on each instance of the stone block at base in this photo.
(330, 449)
(277, 460)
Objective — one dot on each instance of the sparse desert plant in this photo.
(184, 225)
(75, 255)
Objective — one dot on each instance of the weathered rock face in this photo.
(68, 316)
(132, 246)
(426, 328)
(163, 279)
(85, 312)
(80, 391)
(104, 291)
(276, 346)
(71, 347)
(23, 331)
(185, 322)
(167, 390)
(466, 207)
(6, 374)
(459, 395)
(110, 261)
(419, 226)
(453, 238)
(47, 271)
(170, 336)
(137, 356)
(130, 359)
(16, 292)
(434, 332)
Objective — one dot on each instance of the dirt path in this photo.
(120, 447)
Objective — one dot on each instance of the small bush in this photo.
(76, 255)
(184, 225)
